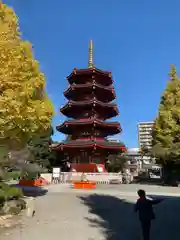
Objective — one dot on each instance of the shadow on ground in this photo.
(32, 191)
(117, 220)
(147, 181)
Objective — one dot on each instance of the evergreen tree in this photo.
(25, 109)
(40, 151)
(166, 132)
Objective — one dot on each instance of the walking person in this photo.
(146, 214)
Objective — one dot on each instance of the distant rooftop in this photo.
(139, 123)
(135, 150)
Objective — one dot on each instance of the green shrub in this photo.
(10, 192)
(21, 204)
(14, 175)
(14, 193)
(14, 210)
(2, 198)
(30, 176)
(11, 199)
(4, 186)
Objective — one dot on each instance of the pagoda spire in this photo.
(90, 60)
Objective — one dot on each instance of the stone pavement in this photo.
(75, 215)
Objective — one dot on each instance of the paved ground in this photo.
(97, 215)
(122, 189)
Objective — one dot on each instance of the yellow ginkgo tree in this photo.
(25, 109)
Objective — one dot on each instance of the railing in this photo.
(97, 177)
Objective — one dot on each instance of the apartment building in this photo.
(145, 134)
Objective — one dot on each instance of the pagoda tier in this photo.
(90, 97)
(81, 91)
(89, 127)
(93, 107)
(81, 76)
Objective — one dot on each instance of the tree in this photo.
(25, 109)
(161, 153)
(116, 162)
(146, 154)
(166, 132)
(40, 150)
(145, 151)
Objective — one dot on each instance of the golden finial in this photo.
(90, 60)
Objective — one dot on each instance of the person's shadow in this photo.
(166, 225)
(117, 220)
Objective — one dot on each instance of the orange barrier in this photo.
(32, 183)
(84, 185)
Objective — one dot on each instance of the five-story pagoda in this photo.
(90, 95)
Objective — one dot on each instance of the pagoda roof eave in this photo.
(108, 132)
(89, 122)
(88, 102)
(73, 144)
(71, 106)
(62, 146)
(70, 129)
(103, 95)
(70, 114)
(105, 116)
(72, 87)
(94, 120)
(88, 71)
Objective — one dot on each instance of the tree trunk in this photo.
(167, 174)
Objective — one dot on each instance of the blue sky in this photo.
(136, 40)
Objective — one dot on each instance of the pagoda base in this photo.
(84, 185)
(85, 160)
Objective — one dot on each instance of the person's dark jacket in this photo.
(145, 209)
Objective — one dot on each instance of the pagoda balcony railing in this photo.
(79, 119)
(90, 118)
(90, 84)
(80, 142)
(93, 100)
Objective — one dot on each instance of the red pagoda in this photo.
(90, 103)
